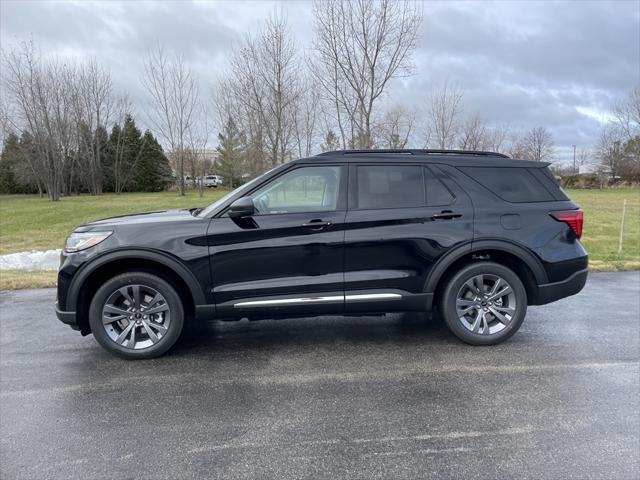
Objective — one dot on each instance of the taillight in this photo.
(573, 218)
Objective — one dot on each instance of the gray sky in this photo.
(520, 63)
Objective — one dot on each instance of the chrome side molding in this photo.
(289, 301)
(331, 298)
(372, 296)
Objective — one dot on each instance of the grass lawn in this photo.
(601, 234)
(28, 222)
(31, 223)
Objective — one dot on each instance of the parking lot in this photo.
(360, 397)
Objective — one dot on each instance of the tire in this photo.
(487, 316)
(143, 315)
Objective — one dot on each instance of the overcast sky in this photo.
(520, 64)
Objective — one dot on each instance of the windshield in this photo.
(223, 199)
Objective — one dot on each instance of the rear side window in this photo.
(513, 184)
(387, 186)
(437, 193)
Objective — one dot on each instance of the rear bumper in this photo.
(550, 292)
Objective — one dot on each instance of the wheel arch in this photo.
(90, 276)
(523, 262)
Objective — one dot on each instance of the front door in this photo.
(288, 258)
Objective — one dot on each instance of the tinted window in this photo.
(390, 186)
(546, 177)
(306, 189)
(437, 193)
(512, 184)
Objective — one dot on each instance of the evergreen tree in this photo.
(125, 143)
(8, 161)
(152, 172)
(109, 161)
(330, 143)
(231, 158)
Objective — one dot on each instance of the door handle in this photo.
(446, 215)
(316, 224)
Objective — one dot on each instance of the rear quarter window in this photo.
(513, 184)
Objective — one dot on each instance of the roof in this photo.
(459, 158)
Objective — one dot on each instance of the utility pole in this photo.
(574, 160)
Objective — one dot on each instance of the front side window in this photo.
(390, 186)
(306, 189)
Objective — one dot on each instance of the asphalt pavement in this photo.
(394, 396)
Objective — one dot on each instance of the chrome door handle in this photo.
(316, 224)
(446, 215)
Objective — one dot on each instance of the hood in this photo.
(140, 218)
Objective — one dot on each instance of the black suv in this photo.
(343, 233)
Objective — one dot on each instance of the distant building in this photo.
(588, 169)
(196, 163)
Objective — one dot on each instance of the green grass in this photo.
(602, 215)
(28, 222)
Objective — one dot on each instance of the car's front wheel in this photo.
(136, 315)
(484, 303)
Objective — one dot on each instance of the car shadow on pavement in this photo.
(397, 328)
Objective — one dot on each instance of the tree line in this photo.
(58, 142)
(128, 161)
(274, 102)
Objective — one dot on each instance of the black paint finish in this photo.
(334, 261)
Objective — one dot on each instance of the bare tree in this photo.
(539, 144)
(306, 120)
(496, 139)
(610, 149)
(535, 144)
(42, 94)
(395, 128)
(473, 134)
(445, 108)
(198, 135)
(173, 91)
(94, 103)
(627, 115)
(360, 46)
(263, 92)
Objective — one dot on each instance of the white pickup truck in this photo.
(211, 181)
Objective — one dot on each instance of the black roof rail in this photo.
(414, 152)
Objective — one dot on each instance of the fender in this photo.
(176, 266)
(449, 258)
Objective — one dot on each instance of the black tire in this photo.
(449, 299)
(146, 280)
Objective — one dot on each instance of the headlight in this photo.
(81, 240)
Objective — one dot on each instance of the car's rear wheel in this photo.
(484, 303)
(136, 315)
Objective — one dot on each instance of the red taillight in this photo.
(573, 218)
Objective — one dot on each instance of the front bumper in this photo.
(69, 318)
(550, 292)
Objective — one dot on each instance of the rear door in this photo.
(401, 218)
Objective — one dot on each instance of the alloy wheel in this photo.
(136, 316)
(486, 304)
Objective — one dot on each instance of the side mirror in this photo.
(243, 207)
